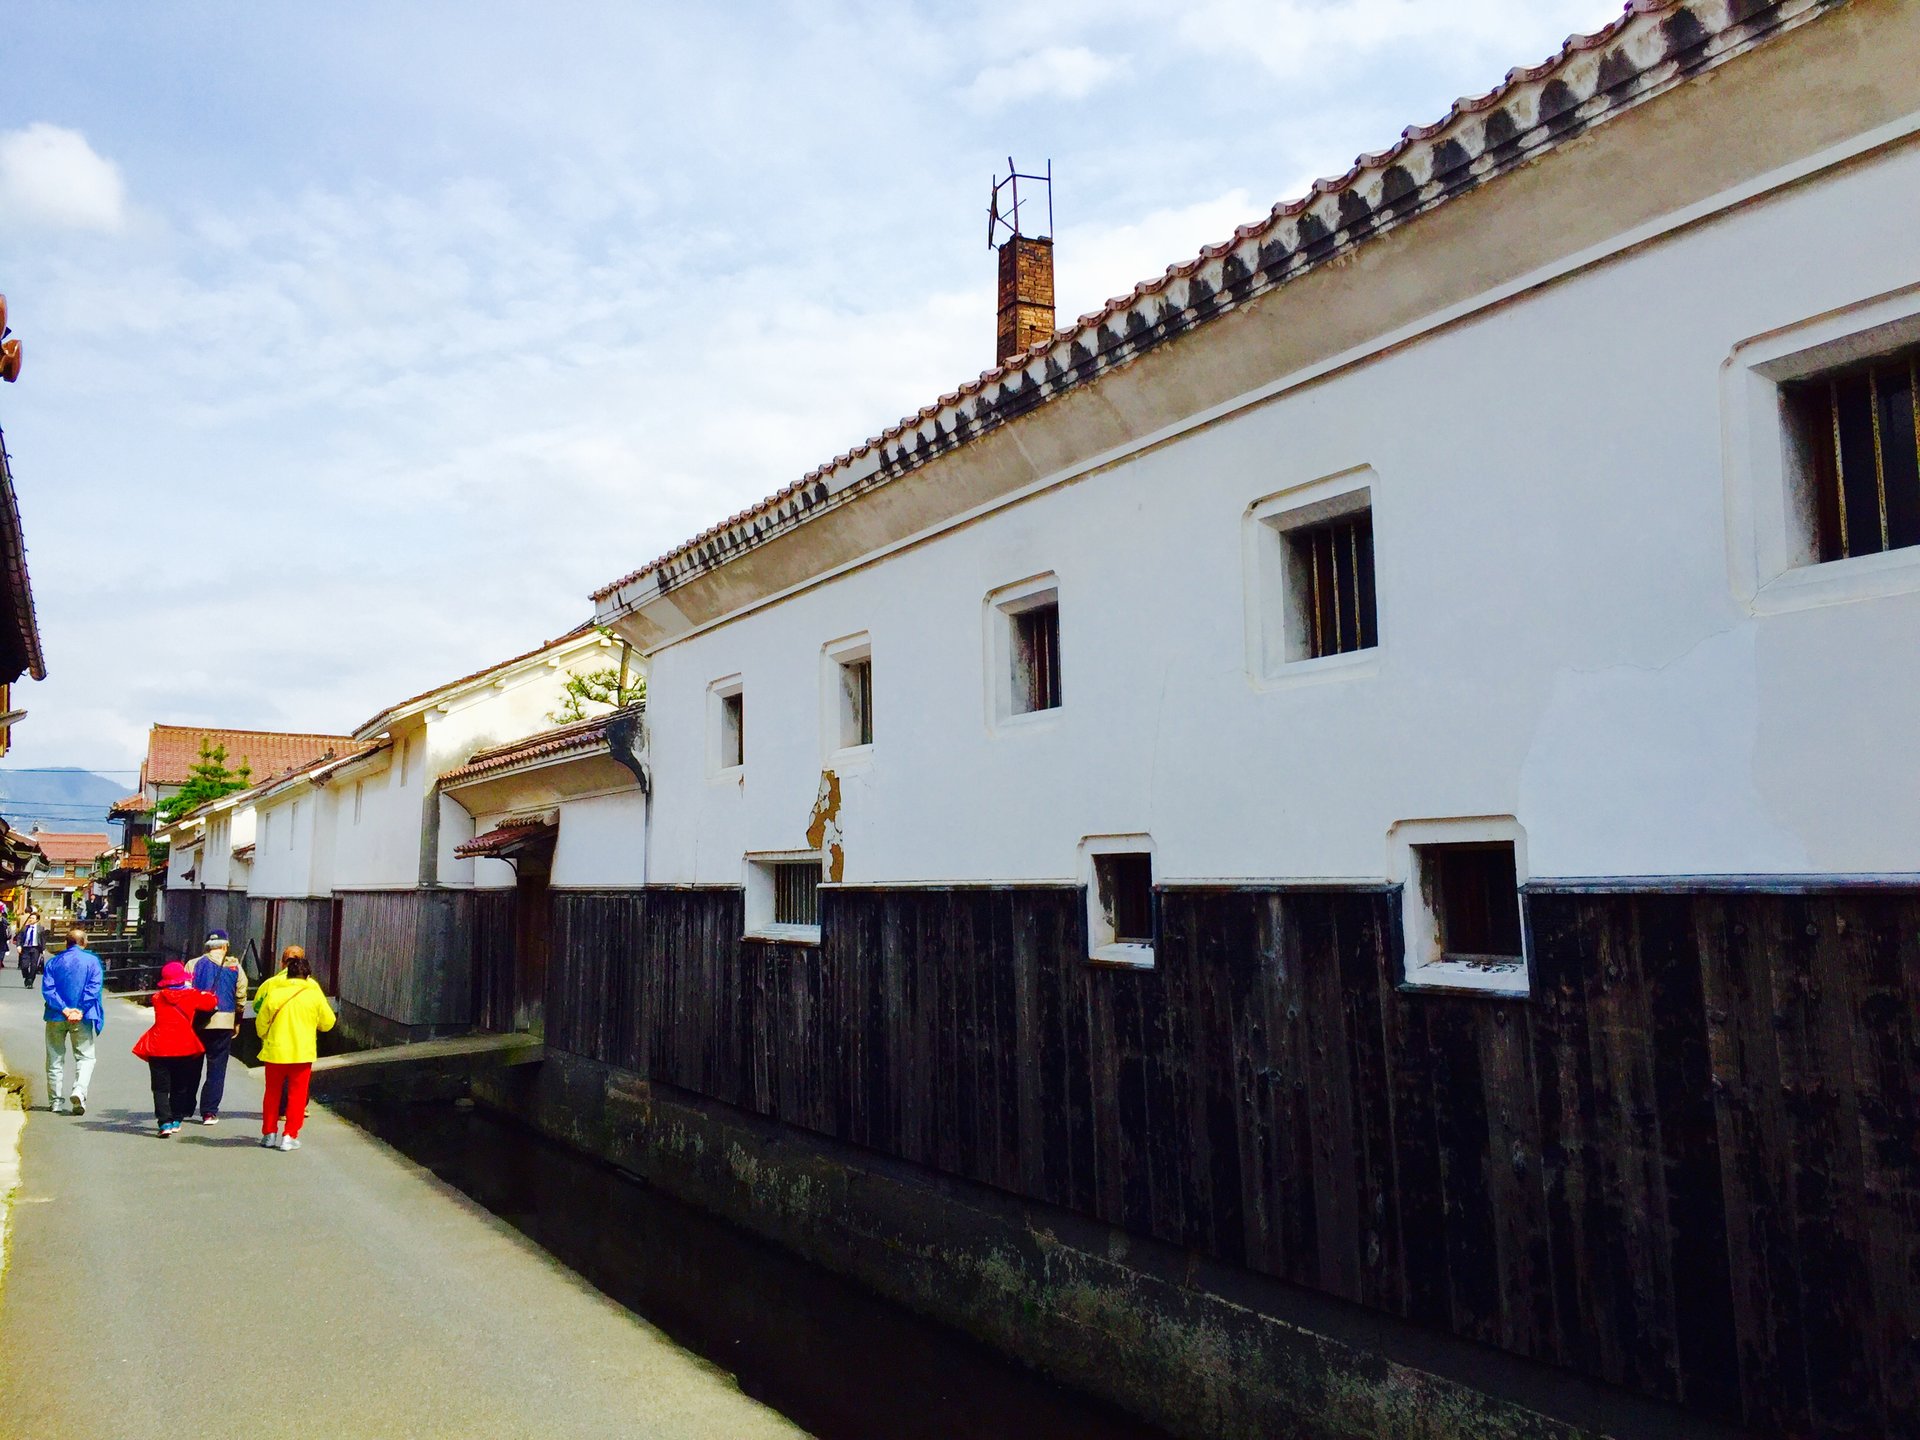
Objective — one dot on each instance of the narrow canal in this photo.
(830, 1356)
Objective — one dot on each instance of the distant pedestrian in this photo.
(221, 975)
(32, 949)
(171, 1049)
(288, 1011)
(75, 1017)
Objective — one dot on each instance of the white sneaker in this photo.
(60, 1107)
(270, 1142)
(287, 1142)
(79, 1103)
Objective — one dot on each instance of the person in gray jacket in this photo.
(221, 975)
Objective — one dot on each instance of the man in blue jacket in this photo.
(72, 986)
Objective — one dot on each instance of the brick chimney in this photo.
(1026, 295)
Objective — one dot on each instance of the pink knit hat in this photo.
(173, 973)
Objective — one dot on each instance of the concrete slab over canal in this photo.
(175, 1288)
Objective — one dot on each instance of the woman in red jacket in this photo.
(171, 1049)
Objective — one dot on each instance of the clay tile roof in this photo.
(131, 805)
(62, 848)
(581, 735)
(173, 750)
(513, 835)
(584, 627)
(1652, 46)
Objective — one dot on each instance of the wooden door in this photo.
(533, 931)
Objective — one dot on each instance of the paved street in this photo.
(201, 1284)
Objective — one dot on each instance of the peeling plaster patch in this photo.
(823, 826)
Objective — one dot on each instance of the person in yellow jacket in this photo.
(289, 1010)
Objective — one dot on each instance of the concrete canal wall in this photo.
(1202, 1349)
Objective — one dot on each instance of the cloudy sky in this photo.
(364, 340)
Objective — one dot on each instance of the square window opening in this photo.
(796, 892)
(1854, 437)
(1124, 886)
(733, 730)
(856, 702)
(1473, 893)
(783, 896)
(1331, 589)
(1035, 652)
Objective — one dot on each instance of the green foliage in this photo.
(611, 688)
(208, 779)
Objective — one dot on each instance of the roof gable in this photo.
(173, 750)
(63, 848)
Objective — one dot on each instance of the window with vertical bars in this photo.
(1859, 431)
(796, 892)
(1332, 572)
(1036, 658)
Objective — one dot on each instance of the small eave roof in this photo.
(387, 716)
(1652, 46)
(508, 839)
(580, 737)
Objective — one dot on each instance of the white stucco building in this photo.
(1545, 439)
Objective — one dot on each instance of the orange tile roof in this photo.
(62, 848)
(173, 750)
(131, 805)
(507, 838)
(586, 734)
(1652, 46)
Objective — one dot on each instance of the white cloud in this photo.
(1295, 38)
(1064, 72)
(1099, 263)
(52, 176)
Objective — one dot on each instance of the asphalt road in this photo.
(202, 1285)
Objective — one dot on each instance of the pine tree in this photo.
(612, 687)
(207, 779)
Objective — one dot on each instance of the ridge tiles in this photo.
(1651, 46)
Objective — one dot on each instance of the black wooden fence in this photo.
(1688, 1165)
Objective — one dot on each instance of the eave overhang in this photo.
(1304, 310)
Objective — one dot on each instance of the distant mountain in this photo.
(69, 800)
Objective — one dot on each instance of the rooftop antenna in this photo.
(1007, 218)
(1024, 315)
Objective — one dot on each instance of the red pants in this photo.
(294, 1078)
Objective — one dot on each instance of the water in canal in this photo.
(835, 1359)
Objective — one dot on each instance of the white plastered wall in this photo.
(1563, 637)
(293, 850)
(382, 849)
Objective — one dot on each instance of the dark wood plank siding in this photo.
(1687, 1165)
(408, 955)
